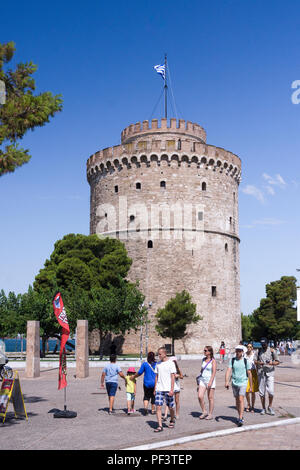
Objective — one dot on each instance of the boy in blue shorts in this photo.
(164, 388)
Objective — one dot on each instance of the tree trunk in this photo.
(102, 344)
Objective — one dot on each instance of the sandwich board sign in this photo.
(11, 390)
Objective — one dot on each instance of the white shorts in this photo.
(204, 384)
(265, 384)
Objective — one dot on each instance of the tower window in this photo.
(226, 247)
(138, 186)
(162, 184)
(116, 189)
(131, 218)
(179, 144)
(200, 215)
(203, 186)
(150, 244)
(214, 291)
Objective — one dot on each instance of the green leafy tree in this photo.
(116, 310)
(85, 260)
(22, 109)
(276, 317)
(90, 274)
(173, 319)
(247, 327)
(10, 314)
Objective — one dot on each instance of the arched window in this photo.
(131, 218)
(150, 244)
(203, 186)
(162, 184)
(138, 186)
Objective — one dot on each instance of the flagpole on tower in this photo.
(166, 88)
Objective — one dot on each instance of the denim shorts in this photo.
(111, 388)
(130, 396)
(160, 397)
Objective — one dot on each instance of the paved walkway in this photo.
(93, 428)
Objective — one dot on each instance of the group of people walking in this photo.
(249, 371)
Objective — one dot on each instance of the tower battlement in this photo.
(187, 128)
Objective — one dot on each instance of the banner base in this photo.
(65, 414)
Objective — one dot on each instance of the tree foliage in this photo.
(22, 110)
(276, 317)
(173, 319)
(86, 261)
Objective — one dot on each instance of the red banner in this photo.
(60, 313)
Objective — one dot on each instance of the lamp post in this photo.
(147, 337)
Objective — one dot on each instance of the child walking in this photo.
(130, 389)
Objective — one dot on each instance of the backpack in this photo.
(245, 361)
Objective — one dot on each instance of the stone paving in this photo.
(94, 429)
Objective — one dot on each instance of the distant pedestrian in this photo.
(250, 393)
(164, 388)
(265, 359)
(222, 352)
(148, 368)
(130, 390)
(207, 383)
(239, 369)
(178, 376)
(111, 375)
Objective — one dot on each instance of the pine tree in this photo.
(22, 110)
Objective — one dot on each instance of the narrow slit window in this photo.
(116, 189)
(214, 291)
(203, 186)
(200, 215)
(179, 144)
(138, 186)
(162, 184)
(150, 244)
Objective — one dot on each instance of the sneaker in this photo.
(240, 422)
(263, 412)
(271, 411)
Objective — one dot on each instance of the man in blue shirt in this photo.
(111, 375)
(240, 370)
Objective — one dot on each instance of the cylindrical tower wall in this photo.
(173, 200)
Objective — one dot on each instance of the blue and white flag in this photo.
(161, 69)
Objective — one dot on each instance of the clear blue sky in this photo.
(232, 64)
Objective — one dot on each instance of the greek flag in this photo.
(161, 69)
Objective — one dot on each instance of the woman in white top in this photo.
(206, 381)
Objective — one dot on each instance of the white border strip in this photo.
(207, 435)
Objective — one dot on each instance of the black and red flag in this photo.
(60, 313)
